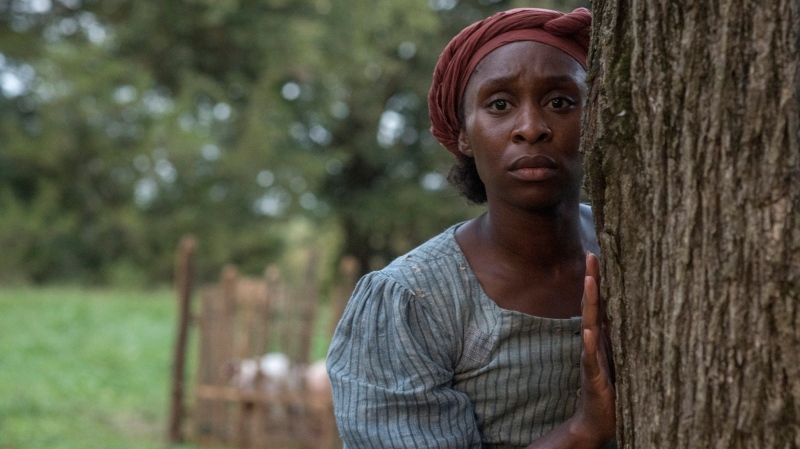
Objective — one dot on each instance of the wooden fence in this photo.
(240, 397)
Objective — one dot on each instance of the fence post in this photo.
(184, 278)
(308, 307)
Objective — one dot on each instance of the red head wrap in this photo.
(567, 32)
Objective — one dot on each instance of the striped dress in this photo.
(422, 358)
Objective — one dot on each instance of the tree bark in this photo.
(692, 146)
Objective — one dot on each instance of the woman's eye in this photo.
(499, 105)
(560, 103)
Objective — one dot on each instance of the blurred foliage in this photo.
(259, 126)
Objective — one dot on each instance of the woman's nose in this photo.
(531, 126)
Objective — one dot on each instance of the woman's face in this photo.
(522, 118)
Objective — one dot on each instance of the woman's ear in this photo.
(463, 143)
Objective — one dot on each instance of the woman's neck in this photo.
(528, 261)
(541, 238)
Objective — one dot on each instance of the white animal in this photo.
(275, 364)
(318, 388)
(316, 378)
(244, 374)
(270, 373)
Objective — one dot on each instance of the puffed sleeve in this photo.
(391, 367)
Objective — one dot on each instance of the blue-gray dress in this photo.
(422, 358)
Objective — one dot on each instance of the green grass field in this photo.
(86, 368)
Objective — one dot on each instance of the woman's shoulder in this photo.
(433, 276)
(438, 260)
(427, 291)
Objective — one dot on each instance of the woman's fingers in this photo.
(591, 368)
(604, 332)
(590, 318)
(596, 405)
(591, 329)
(592, 266)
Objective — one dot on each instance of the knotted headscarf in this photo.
(567, 32)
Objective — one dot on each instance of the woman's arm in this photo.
(390, 367)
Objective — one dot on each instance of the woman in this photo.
(478, 338)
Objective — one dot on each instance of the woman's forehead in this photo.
(513, 59)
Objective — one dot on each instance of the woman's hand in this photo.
(595, 419)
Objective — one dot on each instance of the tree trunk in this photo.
(692, 144)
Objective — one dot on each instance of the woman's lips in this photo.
(534, 168)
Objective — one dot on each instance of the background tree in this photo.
(693, 159)
(260, 126)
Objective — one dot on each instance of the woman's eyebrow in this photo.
(498, 81)
(492, 83)
(560, 79)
